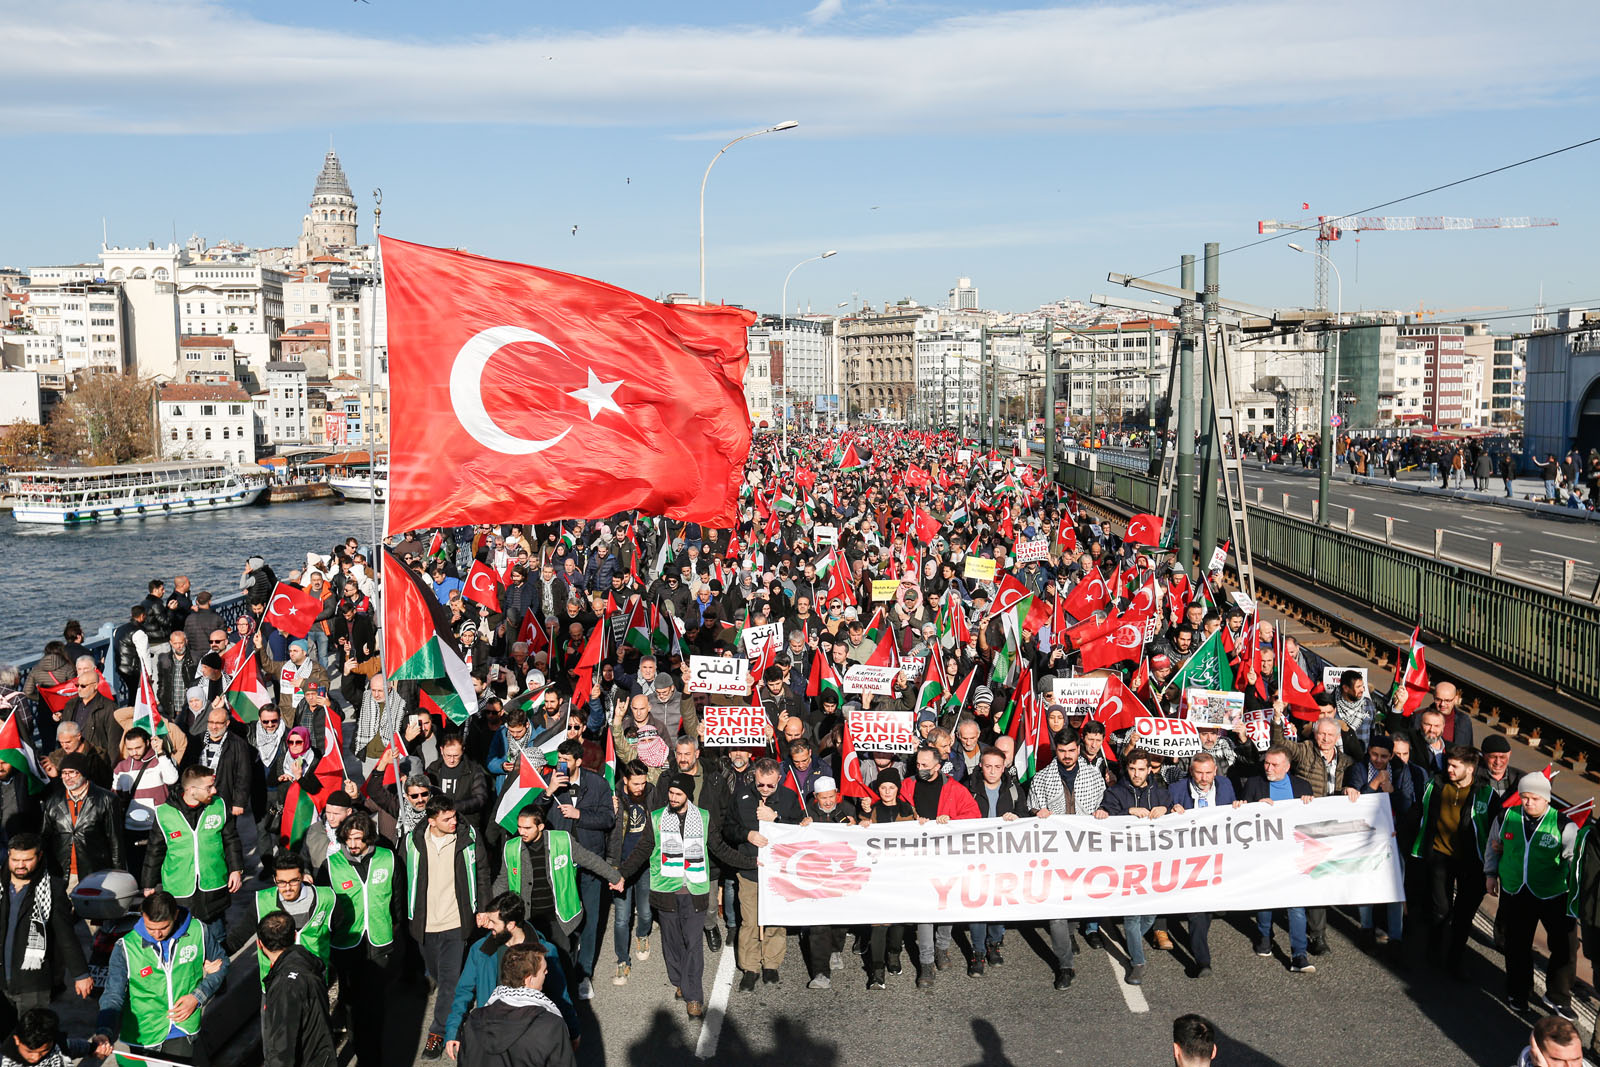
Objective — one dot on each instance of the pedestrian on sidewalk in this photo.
(1508, 471)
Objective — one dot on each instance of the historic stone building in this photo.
(878, 353)
(330, 225)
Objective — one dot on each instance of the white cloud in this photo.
(825, 10)
(195, 65)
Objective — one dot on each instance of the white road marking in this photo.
(1396, 518)
(717, 1009)
(1458, 533)
(1552, 555)
(1491, 522)
(1366, 496)
(1413, 507)
(1569, 537)
(1132, 995)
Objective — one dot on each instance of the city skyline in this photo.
(916, 177)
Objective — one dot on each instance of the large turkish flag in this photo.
(518, 394)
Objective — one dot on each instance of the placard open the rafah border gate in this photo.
(1330, 851)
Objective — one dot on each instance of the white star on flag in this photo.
(597, 395)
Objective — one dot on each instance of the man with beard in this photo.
(680, 885)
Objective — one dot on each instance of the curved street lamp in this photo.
(784, 305)
(787, 125)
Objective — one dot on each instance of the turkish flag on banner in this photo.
(481, 587)
(1143, 530)
(523, 394)
(292, 610)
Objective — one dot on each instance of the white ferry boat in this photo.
(73, 496)
(360, 483)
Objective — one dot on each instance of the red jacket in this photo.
(954, 800)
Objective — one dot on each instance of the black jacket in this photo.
(198, 626)
(467, 784)
(206, 905)
(596, 817)
(295, 1031)
(1012, 800)
(96, 835)
(174, 676)
(500, 1035)
(157, 618)
(477, 877)
(63, 955)
(1256, 788)
(740, 818)
(233, 767)
(124, 654)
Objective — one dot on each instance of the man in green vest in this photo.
(195, 853)
(680, 887)
(365, 878)
(445, 880)
(541, 867)
(1529, 867)
(159, 979)
(310, 907)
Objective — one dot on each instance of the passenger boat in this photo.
(361, 482)
(74, 496)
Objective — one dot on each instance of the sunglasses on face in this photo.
(419, 796)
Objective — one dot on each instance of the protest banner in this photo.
(861, 678)
(1094, 528)
(719, 674)
(1219, 556)
(1029, 551)
(1258, 728)
(885, 588)
(883, 731)
(1330, 677)
(756, 636)
(1166, 737)
(1080, 696)
(1331, 851)
(734, 727)
(963, 456)
(1213, 707)
(979, 569)
(1245, 604)
(825, 535)
(913, 666)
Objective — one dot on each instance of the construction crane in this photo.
(1330, 228)
(1428, 313)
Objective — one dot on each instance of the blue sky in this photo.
(1030, 146)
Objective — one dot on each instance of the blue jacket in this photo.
(498, 747)
(1123, 796)
(480, 973)
(441, 590)
(1182, 793)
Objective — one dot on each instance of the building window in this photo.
(189, 434)
(208, 409)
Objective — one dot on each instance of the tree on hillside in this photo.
(104, 419)
(24, 445)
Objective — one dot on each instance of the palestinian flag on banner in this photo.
(528, 787)
(639, 632)
(146, 708)
(824, 678)
(245, 693)
(1410, 676)
(436, 549)
(1206, 668)
(19, 755)
(418, 646)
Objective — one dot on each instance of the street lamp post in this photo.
(789, 125)
(783, 386)
(1330, 381)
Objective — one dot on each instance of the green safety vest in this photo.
(1478, 805)
(1574, 874)
(363, 905)
(195, 860)
(314, 936)
(669, 873)
(559, 867)
(414, 859)
(1536, 863)
(154, 987)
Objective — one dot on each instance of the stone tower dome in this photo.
(332, 216)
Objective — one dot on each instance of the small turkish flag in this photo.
(481, 587)
(292, 610)
(525, 392)
(1143, 530)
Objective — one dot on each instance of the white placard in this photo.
(1080, 696)
(1029, 551)
(1258, 728)
(734, 727)
(1329, 852)
(719, 674)
(1162, 736)
(1245, 604)
(964, 456)
(1094, 528)
(825, 535)
(883, 731)
(913, 666)
(756, 636)
(1330, 677)
(861, 678)
(1218, 558)
(1213, 707)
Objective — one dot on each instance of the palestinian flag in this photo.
(1410, 677)
(300, 808)
(245, 693)
(955, 703)
(935, 682)
(524, 791)
(571, 544)
(959, 515)
(1207, 668)
(638, 632)
(824, 678)
(436, 549)
(19, 755)
(418, 647)
(146, 709)
(609, 767)
(530, 701)
(849, 461)
(887, 652)
(663, 636)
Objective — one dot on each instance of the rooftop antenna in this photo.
(105, 241)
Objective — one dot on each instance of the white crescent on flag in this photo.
(480, 582)
(273, 609)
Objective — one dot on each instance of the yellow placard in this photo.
(885, 588)
(979, 569)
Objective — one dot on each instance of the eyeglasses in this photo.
(296, 880)
(765, 788)
(420, 796)
(268, 722)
